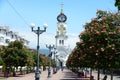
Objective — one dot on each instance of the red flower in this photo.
(113, 48)
(93, 19)
(106, 39)
(96, 54)
(96, 62)
(90, 47)
(102, 49)
(109, 46)
(96, 32)
(118, 30)
(104, 18)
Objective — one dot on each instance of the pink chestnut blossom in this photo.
(96, 62)
(104, 18)
(102, 49)
(96, 54)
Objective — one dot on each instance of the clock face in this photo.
(61, 18)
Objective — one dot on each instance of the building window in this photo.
(62, 42)
(1, 39)
(7, 41)
(9, 34)
(59, 41)
(12, 36)
(2, 31)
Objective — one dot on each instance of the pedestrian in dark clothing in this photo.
(105, 77)
(91, 77)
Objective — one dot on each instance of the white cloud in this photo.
(47, 38)
(72, 39)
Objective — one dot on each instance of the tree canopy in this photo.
(117, 4)
(99, 43)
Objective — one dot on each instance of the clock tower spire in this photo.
(62, 7)
(61, 37)
(61, 17)
(61, 28)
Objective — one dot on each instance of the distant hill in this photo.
(44, 51)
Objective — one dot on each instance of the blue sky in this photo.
(19, 14)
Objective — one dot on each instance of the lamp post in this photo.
(58, 62)
(38, 32)
(54, 67)
(50, 47)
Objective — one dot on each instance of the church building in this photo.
(61, 37)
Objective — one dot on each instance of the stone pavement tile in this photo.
(56, 76)
(60, 75)
(102, 76)
(20, 77)
(69, 75)
(66, 75)
(30, 76)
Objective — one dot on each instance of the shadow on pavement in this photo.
(72, 76)
(118, 77)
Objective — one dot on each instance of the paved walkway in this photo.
(102, 76)
(60, 75)
(66, 75)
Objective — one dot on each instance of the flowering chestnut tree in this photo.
(102, 37)
(99, 43)
(76, 58)
(117, 4)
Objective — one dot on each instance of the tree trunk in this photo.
(91, 77)
(111, 72)
(21, 72)
(14, 72)
(6, 73)
(90, 71)
(27, 70)
(98, 78)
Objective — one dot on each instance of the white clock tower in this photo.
(61, 38)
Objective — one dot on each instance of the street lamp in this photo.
(58, 62)
(38, 32)
(54, 67)
(50, 47)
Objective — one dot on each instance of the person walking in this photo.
(105, 77)
(91, 77)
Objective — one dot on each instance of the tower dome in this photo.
(61, 17)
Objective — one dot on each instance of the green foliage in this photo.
(17, 44)
(22, 57)
(117, 4)
(1, 61)
(99, 43)
(14, 54)
(43, 59)
(10, 57)
(30, 58)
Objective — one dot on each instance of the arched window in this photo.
(7, 40)
(62, 42)
(1, 39)
(59, 41)
(2, 31)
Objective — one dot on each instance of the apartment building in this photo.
(7, 36)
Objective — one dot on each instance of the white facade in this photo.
(7, 36)
(63, 49)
